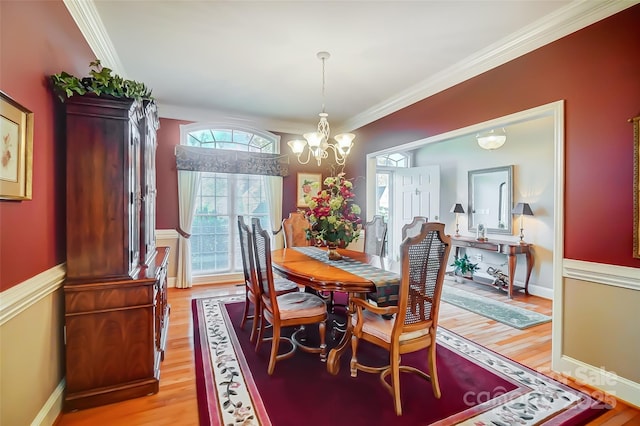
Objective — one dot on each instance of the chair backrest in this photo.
(412, 229)
(375, 233)
(294, 228)
(423, 264)
(246, 249)
(262, 257)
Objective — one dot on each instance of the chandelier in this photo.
(318, 142)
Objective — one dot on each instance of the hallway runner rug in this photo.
(511, 315)
(479, 387)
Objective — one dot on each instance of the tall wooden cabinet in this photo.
(116, 314)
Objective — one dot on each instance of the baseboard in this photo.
(18, 298)
(600, 381)
(544, 292)
(50, 411)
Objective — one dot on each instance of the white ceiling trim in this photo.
(90, 24)
(569, 19)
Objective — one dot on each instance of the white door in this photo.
(416, 193)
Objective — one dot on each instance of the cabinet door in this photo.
(148, 184)
(103, 188)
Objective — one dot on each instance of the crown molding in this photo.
(564, 21)
(573, 17)
(86, 16)
(177, 112)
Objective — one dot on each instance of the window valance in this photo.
(199, 159)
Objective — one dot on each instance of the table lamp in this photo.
(522, 209)
(457, 209)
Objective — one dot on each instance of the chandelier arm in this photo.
(340, 159)
(308, 156)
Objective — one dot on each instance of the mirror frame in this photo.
(472, 226)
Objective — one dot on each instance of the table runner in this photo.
(387, 283)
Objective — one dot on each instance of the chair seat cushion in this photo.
(283, 285)
(381, 328)
(300, 305)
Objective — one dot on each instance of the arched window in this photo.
(222, 197)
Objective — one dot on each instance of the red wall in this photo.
(597, 72)
(37, 39)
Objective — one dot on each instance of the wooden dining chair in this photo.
(252, 290)
(375, 233)
(294, 228)
(414, 324)
(413, 228)
(285, 310)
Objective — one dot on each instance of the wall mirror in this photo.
(491, 199)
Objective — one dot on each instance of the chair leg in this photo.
(275, 343)
(322, 329)
(433, 371)
(354, 356)
(245, 312)
(263, 325)
(256, 318)
(395, 381)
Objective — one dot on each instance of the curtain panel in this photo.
(197, 159)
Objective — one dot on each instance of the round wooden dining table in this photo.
(321, 276)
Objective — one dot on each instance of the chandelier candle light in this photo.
(318, 141)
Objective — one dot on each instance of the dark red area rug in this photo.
(479, 387)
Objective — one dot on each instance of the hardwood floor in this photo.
(175, 404)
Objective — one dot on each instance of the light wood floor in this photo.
(175, 404)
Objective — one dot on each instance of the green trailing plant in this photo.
(101, 82)
(463, 266)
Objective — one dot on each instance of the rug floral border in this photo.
(233, 398)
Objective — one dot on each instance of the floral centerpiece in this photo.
(332, 214)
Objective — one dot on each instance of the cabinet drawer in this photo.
(100, 297)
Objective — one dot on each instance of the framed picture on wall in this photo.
(305, 186)
(16, 149)
(636, 186)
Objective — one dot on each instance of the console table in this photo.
(509, 248)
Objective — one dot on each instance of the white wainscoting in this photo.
(594, 376)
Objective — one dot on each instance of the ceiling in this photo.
(254, 62)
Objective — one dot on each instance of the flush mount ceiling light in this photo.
(493, 139)
(318, 141)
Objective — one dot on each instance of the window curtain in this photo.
(188, 184)
(228, 161)
(274, 198)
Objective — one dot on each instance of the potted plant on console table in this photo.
(464, 268)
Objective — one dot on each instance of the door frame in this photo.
(553, 109)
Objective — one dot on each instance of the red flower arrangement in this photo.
(332, 213)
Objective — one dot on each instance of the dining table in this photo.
(357, 274)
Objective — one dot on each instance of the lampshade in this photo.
(457, 208)
(522, 208)
(493, 139)
(297, 145)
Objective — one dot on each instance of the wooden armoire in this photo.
(116, 311)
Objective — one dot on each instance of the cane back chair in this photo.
(415, 318)
(252, 291)
(286, 310)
